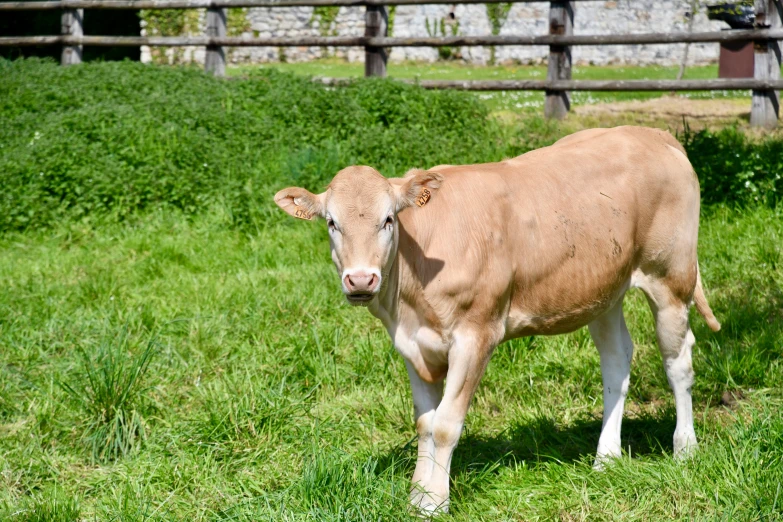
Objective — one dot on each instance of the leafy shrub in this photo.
(118, 138)
(734, 169)
(110, 140)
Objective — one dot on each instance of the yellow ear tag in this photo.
(302, 213)
(423, 198)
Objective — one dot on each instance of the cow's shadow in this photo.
(541, 441)
(425, 268)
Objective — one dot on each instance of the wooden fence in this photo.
(767, 35)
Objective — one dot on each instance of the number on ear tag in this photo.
(423, 198)
(302, 213)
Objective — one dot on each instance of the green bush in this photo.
(117, 138)
(110, 140)
(735, 169)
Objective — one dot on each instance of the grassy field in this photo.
(173, 348)
(513, 100)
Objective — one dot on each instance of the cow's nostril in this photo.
(361, 282)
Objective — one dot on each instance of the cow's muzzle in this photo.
(360, 286)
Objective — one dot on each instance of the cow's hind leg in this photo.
(616, 350)
(675, 341)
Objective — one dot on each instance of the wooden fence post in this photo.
(215, 61)
(375, 24)
(765, 108)
(561, 22)
(72, 24)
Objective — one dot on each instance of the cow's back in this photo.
(550, 238)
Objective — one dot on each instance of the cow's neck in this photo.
(412, 324)
(387, 306)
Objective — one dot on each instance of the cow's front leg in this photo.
(467, 361)
(426, 398)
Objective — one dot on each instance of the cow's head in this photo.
(360, 208)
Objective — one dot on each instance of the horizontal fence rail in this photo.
(766, 37)
(213, 4)
(364, 41)
(730, 84)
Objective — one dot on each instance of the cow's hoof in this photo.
(428, 505)
(684, 445)
(604, 460)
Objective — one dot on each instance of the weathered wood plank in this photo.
(72, 24)
(202, 4)
(363, 41)
(376, 22)
(591, 85)
(765, 105)
(215, 60)
(561, 23)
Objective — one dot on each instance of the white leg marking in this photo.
(615, 347)
(676, 341)
(426, 398)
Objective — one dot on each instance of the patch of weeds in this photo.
(442, 28)
(52, 506)
(237, 22)
(325, 16)
(170, 22)
(109, 390)
(497, 14)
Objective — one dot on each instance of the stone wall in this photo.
(607, 17)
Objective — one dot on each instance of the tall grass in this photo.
(50, 506)
(108, 387)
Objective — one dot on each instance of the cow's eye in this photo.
(330, 224)
(389, 223)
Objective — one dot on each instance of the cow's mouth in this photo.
(359, 298)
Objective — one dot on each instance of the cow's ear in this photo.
(416, 188)
(301, 203)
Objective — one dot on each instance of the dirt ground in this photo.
(671, 112)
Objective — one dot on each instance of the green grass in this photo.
(184, 352)
(512, 100)
(269, 397)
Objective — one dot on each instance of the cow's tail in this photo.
(702, 305)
